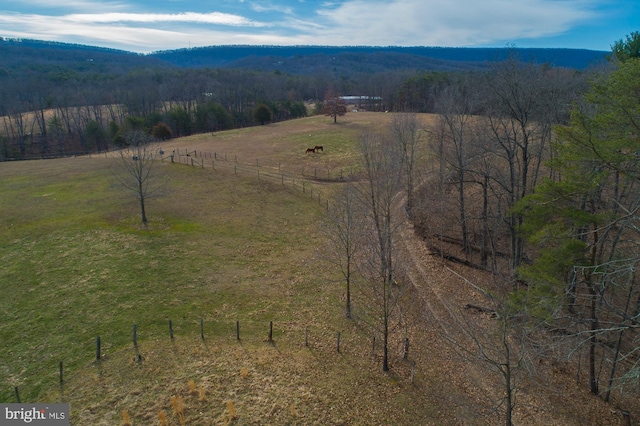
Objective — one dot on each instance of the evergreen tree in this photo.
(586, 224)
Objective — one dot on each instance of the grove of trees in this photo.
(53, 115)
(530, 174)
(544, 180)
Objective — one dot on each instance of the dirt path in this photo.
(441, 292)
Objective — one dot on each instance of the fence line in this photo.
(269, 331)
(262, 170)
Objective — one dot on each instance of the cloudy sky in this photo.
(146, 25)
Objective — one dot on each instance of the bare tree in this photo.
(135, 168)
(497, 338)
(455, 136)
(381, 184)
(408, 135)
(334, 106)
(519, 118)
(343, 227)
(502, 350)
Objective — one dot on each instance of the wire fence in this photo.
(306, 178)
(323, 339)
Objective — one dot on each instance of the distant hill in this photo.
(28, 56)
(309, 59)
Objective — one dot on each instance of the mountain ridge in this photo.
(291, 59)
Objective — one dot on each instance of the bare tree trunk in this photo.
(381, 162)
(136, 166)
(342, 228)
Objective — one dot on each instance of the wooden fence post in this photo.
(373, 346)
(98, 347)
(270, 331)
(135, 335)
(238, 330)
(338, 342)
(170, 329)
(202, 328)
(306, 336)
(15, 389)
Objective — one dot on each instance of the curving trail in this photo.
(439, 294)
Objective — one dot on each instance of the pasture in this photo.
(219, 248)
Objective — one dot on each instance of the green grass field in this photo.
(219, 247)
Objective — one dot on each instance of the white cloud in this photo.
(256, 7)
(200, 18)
(351, 22)
(452, 23)
(168, 31)
(68, 5)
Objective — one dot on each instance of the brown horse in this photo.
(319, 148)
(310, 150)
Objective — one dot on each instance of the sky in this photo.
(145, 26)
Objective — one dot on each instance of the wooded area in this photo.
(535, 181)
(61, 99)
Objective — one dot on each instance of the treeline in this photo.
(52, 107)
(529, 174)
(58, 99)
(63, 111)
(62, 114)
(536, 183)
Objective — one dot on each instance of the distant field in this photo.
(220, 247)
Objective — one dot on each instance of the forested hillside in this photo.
(350, 59)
